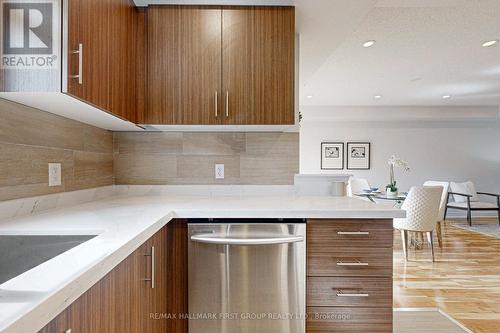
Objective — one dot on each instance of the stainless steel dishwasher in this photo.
(247, 276)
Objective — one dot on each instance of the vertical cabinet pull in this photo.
(79, 76)
(153, 268)
(216, 106)
(227, 104)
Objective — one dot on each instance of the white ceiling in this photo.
(425, 49)
(421, 54)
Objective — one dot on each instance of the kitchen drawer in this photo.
(325, 235)
(359, 261)
(349, 320)
(349, 291)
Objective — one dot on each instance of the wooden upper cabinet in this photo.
(125, 48)
(184, 65)
(221, 65)
(88, 75)
(107, 33)
(258, 58)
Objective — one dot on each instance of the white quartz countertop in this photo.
(29, 301)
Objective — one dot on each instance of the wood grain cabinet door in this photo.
(87, 34)
(176, 275)
(184, 65)
(102, 51)
(151, 308)
(258, 65)
(59, 324)
(137, 295)
(161, 309)
(125, 48)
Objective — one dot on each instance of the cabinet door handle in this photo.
(153, 268)
(227, 104)
(216, 105)
(79, 76)
(353, 233)
(340, 293)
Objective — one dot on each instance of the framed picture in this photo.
(332, 156)
(358, 155)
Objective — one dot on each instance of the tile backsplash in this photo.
(91, 157)
(181, 158)
(30, 139)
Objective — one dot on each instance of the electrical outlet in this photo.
(55, 174)
(219, 171)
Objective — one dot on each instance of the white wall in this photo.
(436, 147)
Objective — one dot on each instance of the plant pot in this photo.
(391, 194)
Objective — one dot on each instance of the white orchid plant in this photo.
(396, 162)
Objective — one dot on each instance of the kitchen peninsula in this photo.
(46, 294)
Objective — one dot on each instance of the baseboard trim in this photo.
(456, 322)
(449, 317)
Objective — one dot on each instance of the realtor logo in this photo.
(27, 28)
(29, 34)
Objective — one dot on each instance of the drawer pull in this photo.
(353, 233)
(342, 294)
(341, 263)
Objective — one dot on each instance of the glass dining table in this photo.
(416, 238)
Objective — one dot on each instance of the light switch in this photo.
(55, 174)
(219, 171)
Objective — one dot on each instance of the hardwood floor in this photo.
(464, 281)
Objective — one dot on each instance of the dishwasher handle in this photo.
(211, 239)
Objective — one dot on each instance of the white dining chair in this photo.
(422, 209)
(357, 185)
(442, 207)
(466, 198)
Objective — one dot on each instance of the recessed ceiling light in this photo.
(369, 43)
(377, 96)
(490, 43)
(309, 96)
(446, 96)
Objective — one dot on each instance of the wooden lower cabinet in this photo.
(349, 320)
(349, 276)
(177, 275)
(340, 297)
(328, 291)
(60, 324)
(367, 262)
(329, 236)
(149, 299)
(124, 301)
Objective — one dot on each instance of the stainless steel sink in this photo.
(19, 254)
